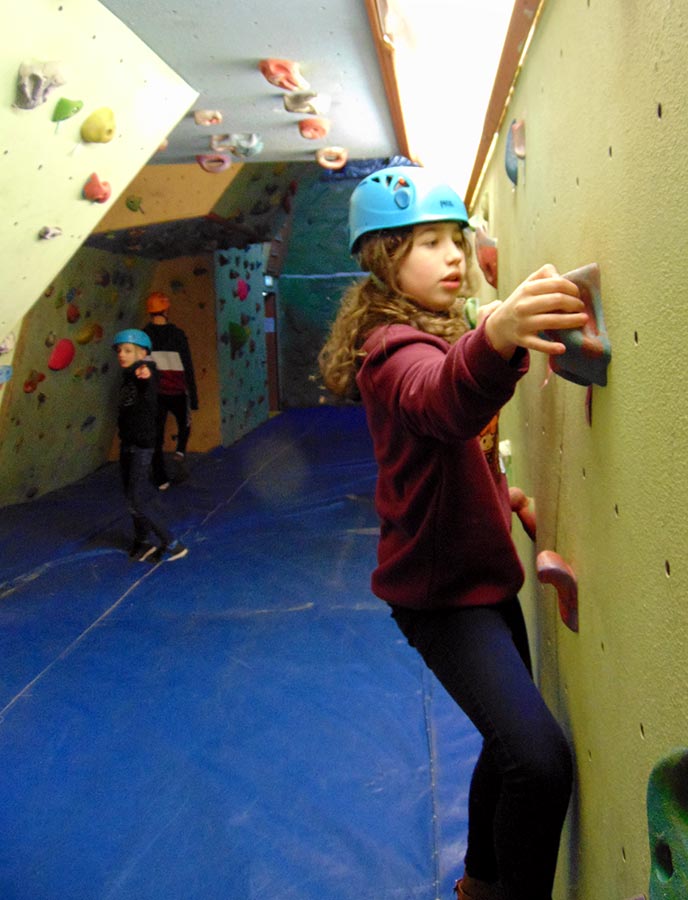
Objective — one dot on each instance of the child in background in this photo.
(177, 393)
(136, 421)
(447, 565)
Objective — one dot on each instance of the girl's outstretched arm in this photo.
(544, 301)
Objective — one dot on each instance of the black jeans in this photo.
(521, 785)
(178, 405)
(135, 466)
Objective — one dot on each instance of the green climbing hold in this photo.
(65, 109)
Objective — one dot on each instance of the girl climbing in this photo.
(447, 566)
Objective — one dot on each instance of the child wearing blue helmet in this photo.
(136, 421)
(432, 386)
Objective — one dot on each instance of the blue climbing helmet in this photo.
(132, 336)
(399, 196)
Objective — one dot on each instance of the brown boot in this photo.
(468, 888)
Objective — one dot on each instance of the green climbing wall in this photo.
(316, 271)
(602, 92)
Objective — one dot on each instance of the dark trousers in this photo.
(521, 785)
(141, 495)
(178, 405)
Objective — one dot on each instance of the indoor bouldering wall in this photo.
(58, 413)
(241, 347)
(315, 273)
(99, 102)
(601, 178)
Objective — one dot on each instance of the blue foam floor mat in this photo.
(243, 723)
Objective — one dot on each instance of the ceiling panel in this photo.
(216, 46)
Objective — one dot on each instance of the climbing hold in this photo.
(486, 252)
(243, 289)
(92, 331)
(524, 508)
(588, 351)
(5, 374)
(33, 381)
(314, 129)
(307, 103)
(62, 355)
(35, 80)
(238, 335)
(73, 313)
(65, 109)
(99, 127)
(515, 139)
(552, 569)
(48, 232)
(518, 132)
(332, 157)
(246, 144)
(667, 815)
(221, 143)
(283, 73)
(95, 190)
(213, 163)
(207, 117)
(7, 343)
(134, 204)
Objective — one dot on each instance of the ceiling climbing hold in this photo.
(283, 73)
(314, 129)
(207, 117)
(307, 103)
(213, 162)
(332, 157)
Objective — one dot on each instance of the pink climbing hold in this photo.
(243, 289)
(552, 569)
(95, 190)
(62, 355)
(486, 251)
(283, 73)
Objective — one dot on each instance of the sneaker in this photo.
(146, 553)
(141, 550)
(178, 455)
(163, 486)
(169, 552)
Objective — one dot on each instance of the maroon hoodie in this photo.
(445, 518)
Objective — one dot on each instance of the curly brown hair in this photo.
(378, 300)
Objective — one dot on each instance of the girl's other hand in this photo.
(545, 301)
(143, 372)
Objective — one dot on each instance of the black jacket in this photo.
(138, 405)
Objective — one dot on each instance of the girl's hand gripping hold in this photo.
(544, 301)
